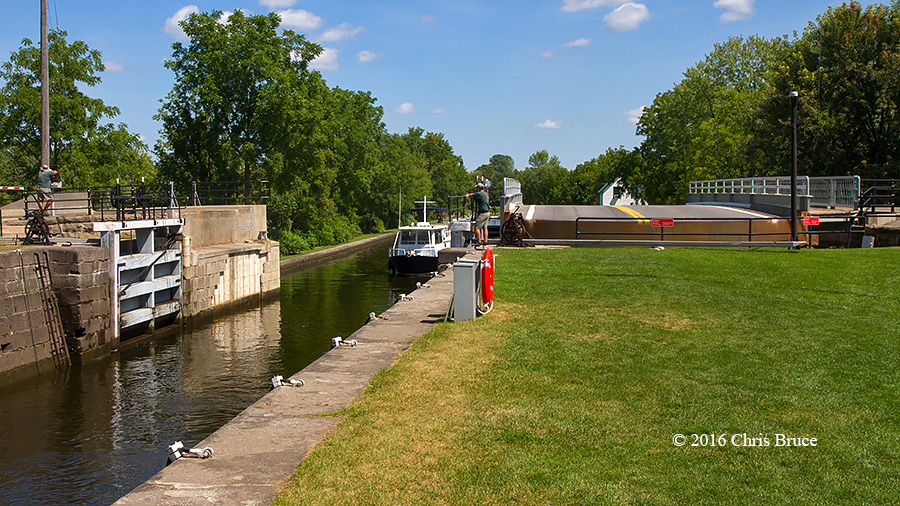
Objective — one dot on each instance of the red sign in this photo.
(662, 222)
(810, 220)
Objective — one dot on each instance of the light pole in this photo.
(794, 98)
(45, 88)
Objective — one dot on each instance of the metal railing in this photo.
(120, 202)
(752, 232)
(751, 186)
(458, 207)
(879, 196)
(229, 193)
(834, 192)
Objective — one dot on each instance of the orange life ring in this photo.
(487, 277)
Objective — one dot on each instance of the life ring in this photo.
(487, 278)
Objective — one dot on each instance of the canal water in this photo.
(92, 434)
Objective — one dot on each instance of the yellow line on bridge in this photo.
(640, 217)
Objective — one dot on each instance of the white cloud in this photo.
(583, 5)
(365, 57)
(548, 54)
(735, 10)
(634, 115)
(438, 110)
(300, 19)
(627, 17)
(578, 43)
(549, 124)
(405, 108)
(429, 18)
(339, 32)
(173, 28)
(328, 60)
(277, 4)
(112, 66)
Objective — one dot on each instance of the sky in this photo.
(495, 77)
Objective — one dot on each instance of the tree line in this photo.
(246, 106)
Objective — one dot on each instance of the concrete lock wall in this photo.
(227, 257)
(80, 281)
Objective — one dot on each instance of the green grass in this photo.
(571, 390)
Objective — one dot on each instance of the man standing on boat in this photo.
(482, 214)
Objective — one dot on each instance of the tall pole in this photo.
(794, 98)
(45, 88)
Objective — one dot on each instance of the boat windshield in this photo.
(418, 237)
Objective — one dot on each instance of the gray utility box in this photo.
(460, 231)
(464, 289)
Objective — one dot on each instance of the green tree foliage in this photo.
(497, 168)
(703, 128)
(544, 180)
(445, 169)
(238, 98)
(246, 106)
(846, 67)
(590, 177)
(85, 150)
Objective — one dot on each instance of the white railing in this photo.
(751, 186)
(822, 191)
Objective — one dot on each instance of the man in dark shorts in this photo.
(482, 213)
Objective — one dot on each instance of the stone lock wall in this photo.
(227, 257)
(216, 276)
(80, 281)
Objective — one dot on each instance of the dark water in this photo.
(92, 434)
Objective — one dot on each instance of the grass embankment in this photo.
(572, 389)
(360, 237)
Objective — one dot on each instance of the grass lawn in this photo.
(572, 390)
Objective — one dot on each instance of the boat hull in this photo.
(412, 264)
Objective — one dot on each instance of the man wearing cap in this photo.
(482, 213)
(45, 187)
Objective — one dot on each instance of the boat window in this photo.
(414, 237)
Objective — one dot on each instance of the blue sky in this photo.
(500, 76)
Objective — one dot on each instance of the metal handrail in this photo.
(662, 233)
(880, 193)
(750, 185)
(229, 192)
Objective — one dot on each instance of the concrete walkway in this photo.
(257, 451)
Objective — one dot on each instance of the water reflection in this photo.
(90, 435)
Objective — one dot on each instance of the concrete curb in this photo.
(257, 451)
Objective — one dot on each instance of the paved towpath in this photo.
(257, 451)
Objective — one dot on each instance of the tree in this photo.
(538, 179)
(78, 135)
(497, 168)
(846, 67)
(590, 177)
(704, 127)
(238, 97)
(445, 169)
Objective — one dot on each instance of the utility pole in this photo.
(794, 98)
(45, 88)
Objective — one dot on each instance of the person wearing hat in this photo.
(45, 186)
(482, 213)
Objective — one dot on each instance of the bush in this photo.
(291, 243)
